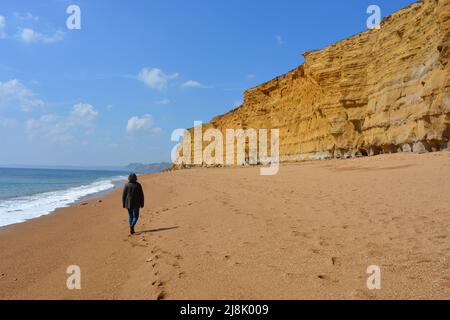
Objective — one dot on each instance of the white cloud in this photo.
(29, 35)
(193, 85)
(3, 34)
(136, 124)
(142, 124)
(51, 126)
(279, 40)
(14, 92)
(79, 122)
(84, 111)
(164, 102)
(155, 78)
(82, 116)
(25, 16)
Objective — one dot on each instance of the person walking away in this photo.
(133, 200)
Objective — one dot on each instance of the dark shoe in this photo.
(132, 230)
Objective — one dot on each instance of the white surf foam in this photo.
(21, 209)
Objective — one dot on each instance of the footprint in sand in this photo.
(293, 275)
(155, 250)
(335, 261)
(327, 278)
(323, 243)
(136, 243)
(230, 261)
(161, 295)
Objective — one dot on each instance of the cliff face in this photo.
(380, 91)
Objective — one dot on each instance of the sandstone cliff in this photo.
(380, 91)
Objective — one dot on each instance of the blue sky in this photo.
(113, 92)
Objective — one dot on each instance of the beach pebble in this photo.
(100, 201)
(83, 204)
(149, 260)
(419, 147)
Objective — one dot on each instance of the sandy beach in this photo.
(309, 232)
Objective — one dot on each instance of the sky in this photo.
(113, 91)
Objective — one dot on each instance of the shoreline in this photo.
(86, 199)
(308, 233)
(99, 195)
(89, 197)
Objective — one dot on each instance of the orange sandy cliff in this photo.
(380, 91)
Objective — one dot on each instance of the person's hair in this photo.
(132, 177)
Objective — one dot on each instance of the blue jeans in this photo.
(133, 216)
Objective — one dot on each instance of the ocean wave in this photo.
(24, 208)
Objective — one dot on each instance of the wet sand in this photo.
(310, 232)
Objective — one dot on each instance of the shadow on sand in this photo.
(156, 230)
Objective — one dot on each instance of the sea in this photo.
(30, 193)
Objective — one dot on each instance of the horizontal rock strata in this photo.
(380, 91)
